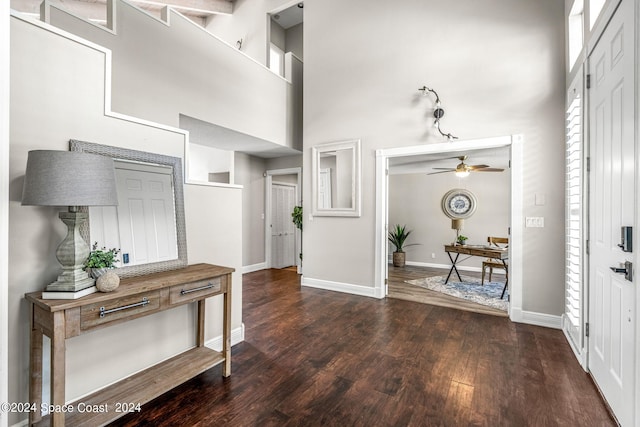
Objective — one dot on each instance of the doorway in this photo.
(283, 200)
(514, 144)
(278, 183)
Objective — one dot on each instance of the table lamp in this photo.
(73, 179)
(457, 224)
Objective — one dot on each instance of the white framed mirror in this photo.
(336, 178)
(148, 225)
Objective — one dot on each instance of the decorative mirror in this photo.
(336, 179)
(148, 225)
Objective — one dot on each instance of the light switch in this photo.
(534, 222)
(541, 199)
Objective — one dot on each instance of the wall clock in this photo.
(459, 203)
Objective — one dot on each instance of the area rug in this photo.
(469, 289)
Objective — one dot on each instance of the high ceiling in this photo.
(290, 16)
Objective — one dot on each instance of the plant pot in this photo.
(399, 259)
(97, 272)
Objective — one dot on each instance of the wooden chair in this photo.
(496, 263)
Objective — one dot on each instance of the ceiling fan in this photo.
(463, 169)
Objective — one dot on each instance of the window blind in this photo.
(573, 223)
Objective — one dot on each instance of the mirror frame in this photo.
(317, 151)
(178, 196)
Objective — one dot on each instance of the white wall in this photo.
(294, 40)
(58, 93)
(415, 200)
(278, 37)
(162, 71)
(249, 173)
(204, 160)
(498, 66)
(249, 22)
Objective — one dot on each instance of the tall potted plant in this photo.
(296, 216)
(397, 237)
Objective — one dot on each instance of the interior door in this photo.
(324, 189)
(283, 232)
(148, 230)
(611, 206)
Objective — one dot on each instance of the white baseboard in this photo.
(255, 267)
(448, 266)
(346, 288)
(532, 318)
(237, 336)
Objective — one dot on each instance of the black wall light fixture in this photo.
(438, 113)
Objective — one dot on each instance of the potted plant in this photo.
(100, 260)
(296, 217)
(397, 237)
(462, 240)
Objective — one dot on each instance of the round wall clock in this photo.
(459, 203)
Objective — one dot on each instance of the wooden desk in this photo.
(135, 297)
(480, 251)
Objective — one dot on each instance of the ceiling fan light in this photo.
(462, 174)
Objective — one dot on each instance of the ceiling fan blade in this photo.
(434, 173)
(445, 169)
(474, 167)
(489, 170)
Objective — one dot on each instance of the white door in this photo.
(283, 231)
(324, 189)
(148, 230)
(612, 198)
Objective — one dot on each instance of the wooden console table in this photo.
(135, 297)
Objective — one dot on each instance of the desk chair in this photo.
(496, 263)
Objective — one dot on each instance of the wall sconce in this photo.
(438, 113)
(73, 179)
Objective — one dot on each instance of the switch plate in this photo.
(534, 222)
(541, 199)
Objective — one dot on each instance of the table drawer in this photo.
(188, 292)
(128, 307)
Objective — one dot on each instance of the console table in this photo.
(135, 297)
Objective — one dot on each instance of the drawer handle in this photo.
(142, 303)
(201, 288)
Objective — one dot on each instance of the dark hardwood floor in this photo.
(313, 357)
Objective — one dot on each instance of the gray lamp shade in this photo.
(69, 178)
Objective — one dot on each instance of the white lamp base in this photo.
(72, 253)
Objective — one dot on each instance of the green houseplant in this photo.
(100, 260)
(397, 237)
(462, 240)
(296, 217)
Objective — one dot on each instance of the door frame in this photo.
(267, 212)
(515, 142)
(5, 17)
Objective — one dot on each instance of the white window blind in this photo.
(573, 262)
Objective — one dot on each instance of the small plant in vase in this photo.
(462, 240)
(100, 260)
(397, 237)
